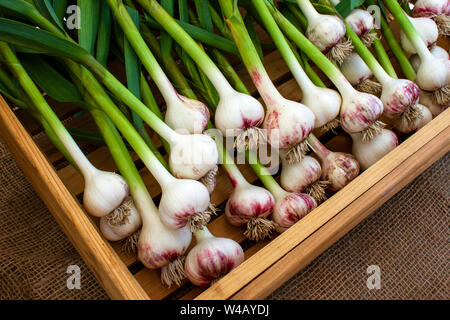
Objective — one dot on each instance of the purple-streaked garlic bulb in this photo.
(360, 113)
(326, 32)
(362, 23)
(158, 245)
(103, 192)
(211, 258)
(404, 125)
(359, 75)
(400, 97)
(248, 205)
(431, 7)
(303, 176)
(338, 168)
(187, 115)
(251, 205)
(185, 202)
(439, 10)
(370, 152)
(291, 207)
(427, 30)
(288, 123)
(122, 222)
(240, 115)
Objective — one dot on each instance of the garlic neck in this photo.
(318, 147)
(308, 10)
(203, 234)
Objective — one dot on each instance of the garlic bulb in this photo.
(398, 96)
(185, 202)
(303, 176)
(434, 7)
(250, 205)
(338, 168)
(324, 103)
(355, 69)
(326, 32)
(405, 126)
(290, 208)
(288, 123)
(192, 156)
(122, 222)
(239, 115)
(360, 112)
(433, 73)
(103, 192)
(362, 23)
(162, 247)
(426, 99)
(370, 152)
(427, 30)
(436, 51)
(159, 246)
(187, 115)
(211, 258)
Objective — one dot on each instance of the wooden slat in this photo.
(97, 253)
(287, 241)
(347, 219)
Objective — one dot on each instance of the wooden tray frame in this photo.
(268, 264)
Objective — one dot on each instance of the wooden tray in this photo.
(268, 264)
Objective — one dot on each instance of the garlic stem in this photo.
(189, 45)
(283, 46)
(86, 168)
(408, 29)
(308, 10)
(318, 147)
(367, 56)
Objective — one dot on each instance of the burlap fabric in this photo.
(407, 238)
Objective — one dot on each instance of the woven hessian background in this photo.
(407, 238)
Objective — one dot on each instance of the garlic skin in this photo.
(339, 169)
(359, 111)
(248, 202)
(103, 192)
(436, 51)
(323, 102)
(325, 31)
(288, 123)
(290, 208)
(435, 7)
(192, 156)
(121, 231)
(433, 73)
(360, 21)
(182, 199)
(398, 95)
(355, 69)
(297, 176)
(159, 245)
(237, 112)
(427, 100)
(187, 115)
(211, 258)
(404, 126)
(427, 30)
(370, 152)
